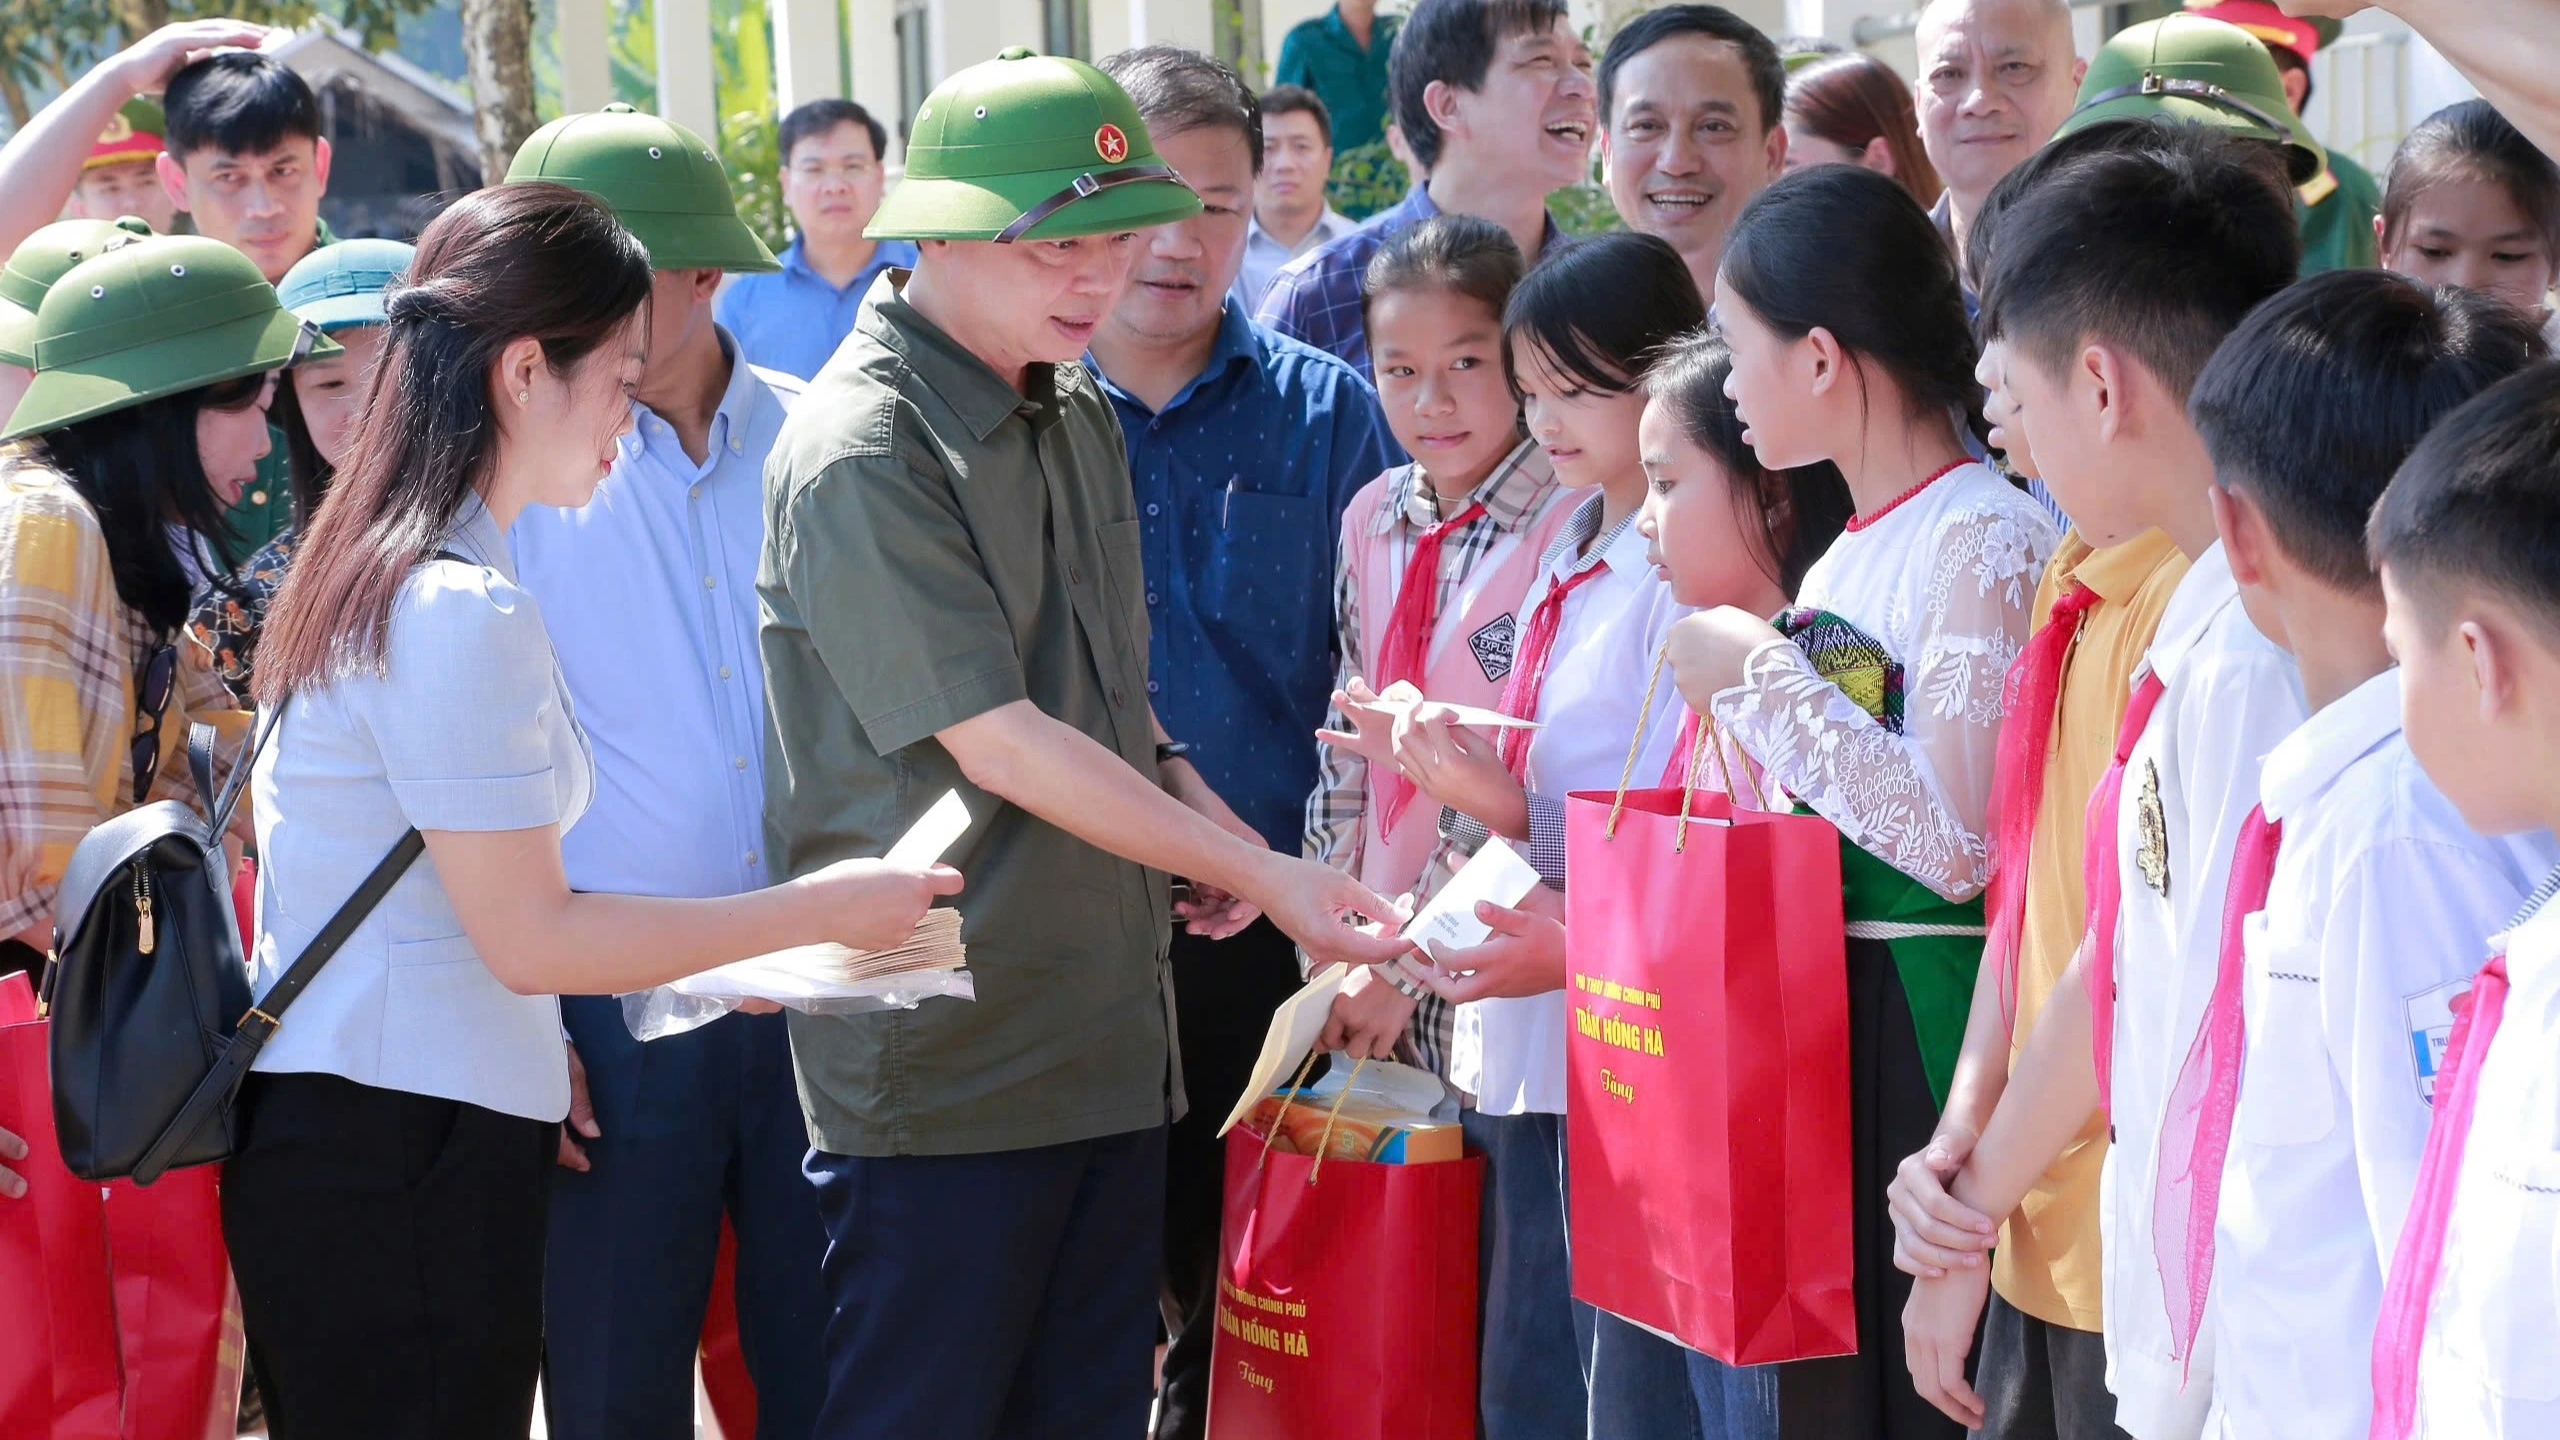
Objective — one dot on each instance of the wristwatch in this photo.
(1171, 750)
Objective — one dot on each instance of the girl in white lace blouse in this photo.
(1875, 700)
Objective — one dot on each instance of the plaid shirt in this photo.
(71, 657)
(1514, 495)
(1316, 297)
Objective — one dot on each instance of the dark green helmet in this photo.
(662, 182)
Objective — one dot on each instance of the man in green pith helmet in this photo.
(662, 563)
(2336, 207)
(953, 599)
(2195, 71)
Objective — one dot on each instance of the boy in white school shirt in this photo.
(2468, 542)
(2378, 898)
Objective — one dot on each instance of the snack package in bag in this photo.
(1707, 1071)
(1346, 1295)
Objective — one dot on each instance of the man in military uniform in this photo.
(2195, 71)
(665, 1141)
(122, 174)
(2335, 207)
(953, 597)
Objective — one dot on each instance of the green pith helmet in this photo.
(41, 259)
(2200, 72)
(663, 183)
(150, 316)
(1029, 147)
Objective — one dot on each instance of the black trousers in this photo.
(1224, 992)
(1868, 1396)
(2041, 1381)
(388, 1248)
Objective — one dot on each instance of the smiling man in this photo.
(1997, 78)
(1494, 98)
(1244, 447)
(834, 157)
(1693, 97)
(953, 596)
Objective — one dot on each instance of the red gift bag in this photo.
(1707, 1071)
(130, 1328)
(1346, 1298)
(725, 1381)
(58, 1364)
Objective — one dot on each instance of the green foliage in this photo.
(742, 90)
(1366, 179)
(747, 152)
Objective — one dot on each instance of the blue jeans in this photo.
(1532, 1366)
(1644, 1387)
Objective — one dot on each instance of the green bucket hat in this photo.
(663, 183)
(2199, 72)
(41, 259)
(150, 316)
(1029, 147)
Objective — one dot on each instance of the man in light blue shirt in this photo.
(832, 179)
(649, 596)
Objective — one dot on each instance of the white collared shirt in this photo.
(2489, 1367)
(1264, 254)
(469, 727)
(1509, 1053)
(2379, 912)
(2228, 696)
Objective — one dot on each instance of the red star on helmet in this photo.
(1110, 144)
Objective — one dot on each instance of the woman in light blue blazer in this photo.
(385, 1211)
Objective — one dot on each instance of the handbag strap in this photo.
(259, 1025)
(1707, 740)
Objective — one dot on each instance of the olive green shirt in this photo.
(938, 545)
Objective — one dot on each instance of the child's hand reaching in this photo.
(1371, 732)
(1368, 1016)
(1460, 768)
(1937, 1335)
(1523, 956)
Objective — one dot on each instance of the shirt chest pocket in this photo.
(2286, 1094)
(2503, 1264)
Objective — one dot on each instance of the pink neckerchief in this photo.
(2105, 883)
(2195, 1126)
(2420, 1255)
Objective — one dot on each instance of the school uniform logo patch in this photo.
(1493, 645)
(2430, 1017)
(2151, 857)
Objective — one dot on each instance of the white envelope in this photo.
(1497, 873)
(1402, 697)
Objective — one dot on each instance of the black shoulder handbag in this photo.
(153, 1029)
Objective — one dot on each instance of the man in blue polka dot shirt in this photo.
(1244, 447)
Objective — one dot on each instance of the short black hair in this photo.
(2472, 141)
(240, 102)
(821, 117)
(2324, 390)
(1603, 307)
(1453, 41)
(2477, 504)
(1177, 90)
(1651, 27)
(1298, 100)
(2158, 243)
(1464, 254)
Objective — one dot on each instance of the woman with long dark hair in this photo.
(386, 1207)
(145, 419)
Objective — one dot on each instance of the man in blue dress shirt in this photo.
(1244, 447)
(834, 158)
(649, 593)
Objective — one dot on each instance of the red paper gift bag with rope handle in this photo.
(1346, 1298)
(1707, 1068)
